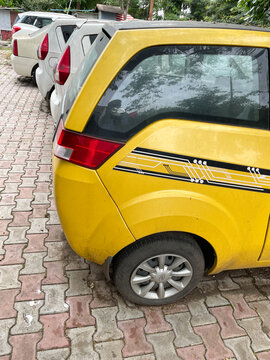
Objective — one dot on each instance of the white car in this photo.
(24, 58)
(76, 48)
(50, 50)
(31, 21)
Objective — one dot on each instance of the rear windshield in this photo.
(219, 84)
(82, 73)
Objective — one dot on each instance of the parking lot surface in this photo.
(55, 305)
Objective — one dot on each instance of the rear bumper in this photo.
(90, 219)
(44, 82)
(23, 66)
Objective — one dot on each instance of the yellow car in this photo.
(162, 155)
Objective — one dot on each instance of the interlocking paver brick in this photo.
(38, 226)
(27, 317)
(263, 309)
(9, 277)
(54, 299)
(102, 295)
(110, 349)
(33, 263)
(155, 321)
(7, 298)
(263, 355)
(24, 346)
(212, 294)
(28, 182)
(23, 205)
(31, 287)
(106, 324)
(53, 332)
(11, 188)
(55, 233)
(78, 282)
(56, 354)
(229, 327)
(79, 311)
(241, 348)
(4, 227)
(5, 212)
(20, 218)
(259, 340)
(199, 312)
(53, 218)
(55, 273)
(126, 312)
(13, 254)
(240, 306)
(8, 199)
(56, 250)
(82, 344)
(35, 243)
(250, 291)
(225, 283)
(17, 235)
(5, 326)
(39, 211)
(135, 340)
(163, 352)
(185, 335)
(41, 198)
(25, 193)
(192, 353)
(96, 272)
(215, 349)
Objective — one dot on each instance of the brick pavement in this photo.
(55, 305)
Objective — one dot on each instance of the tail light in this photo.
(62, 70)
(15, 48)
(82, 150)
(43, 48)
(15, 29)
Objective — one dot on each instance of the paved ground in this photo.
(55, 305)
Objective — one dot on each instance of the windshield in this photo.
(83, 71)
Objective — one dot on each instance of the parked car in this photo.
(76, 48)
(161, 158)
(50, 50)
(24, 58)
(31, 21)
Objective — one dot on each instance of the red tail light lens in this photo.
(15, 29)
(82, 150)
(15, 48)
(62, 70)
(43, 48)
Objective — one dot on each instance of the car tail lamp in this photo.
(15, 48)
(43, 48)
(81, 149)
(62, 70)
(15, 29)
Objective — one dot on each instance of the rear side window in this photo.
(41, 22)
(87, 41)
(29, 20)
(226, 85)
(67, 30)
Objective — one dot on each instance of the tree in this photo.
(256, 11)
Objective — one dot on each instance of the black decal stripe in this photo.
(187, 179)
(184, 158)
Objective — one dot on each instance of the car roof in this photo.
(40, 13)
(112, 27)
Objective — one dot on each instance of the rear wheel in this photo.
(159, 269)
(34, 75)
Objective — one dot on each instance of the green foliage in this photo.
(256, 11)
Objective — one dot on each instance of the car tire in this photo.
(34, 78)
(158, 270)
